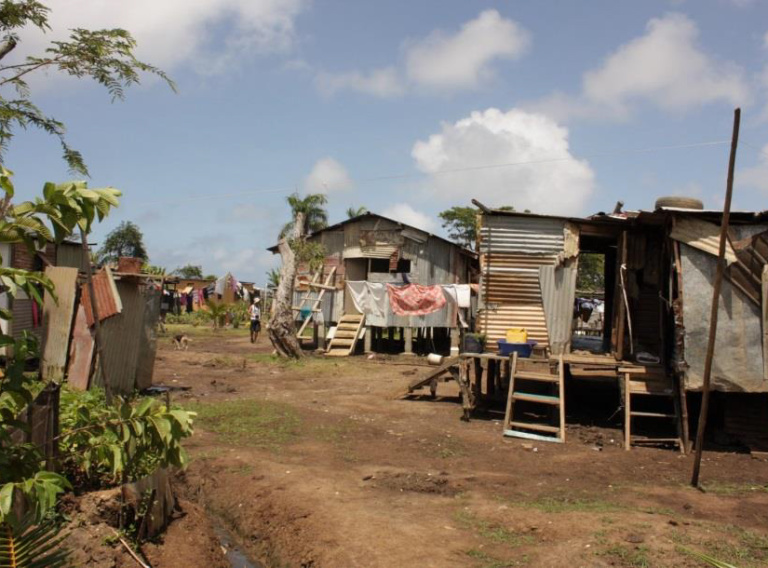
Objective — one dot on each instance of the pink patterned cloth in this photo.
(415, 300)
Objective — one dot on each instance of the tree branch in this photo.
(7, 46)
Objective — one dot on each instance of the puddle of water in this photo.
(236, 557)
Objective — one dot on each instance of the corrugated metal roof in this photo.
(701, 235)
(108, 301)
(558, 289)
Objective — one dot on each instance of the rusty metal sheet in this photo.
(80, 352)
(57, 321)
(108, 301)
(148, 342)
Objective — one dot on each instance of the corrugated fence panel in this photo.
(121, 335)
(527, 235)
(58, 315)
(148, 342)
(558, 289)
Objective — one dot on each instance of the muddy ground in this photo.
(321, 464)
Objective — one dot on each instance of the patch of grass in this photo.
(339, 435)
(630, 557)
(567, 504)
(722, 488)
(449, 448)
(249, 422)
(488, 561)
(203, 331)
(746, 549)
(492, 531)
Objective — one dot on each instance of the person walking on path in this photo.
(255, 312)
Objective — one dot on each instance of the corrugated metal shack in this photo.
(361, 249)
(659, 269)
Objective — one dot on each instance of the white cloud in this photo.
(755, 176)
(444, 61)
(404, 213)
(463, 60)
(384, 83)
(171, 33)
(665, 67)
(558, 183)
(327, 176)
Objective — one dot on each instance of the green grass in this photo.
(493, 532)
(636, 557)
(567, 504)
(744, 548)
(250, 422)
(203, 331)
(488, 561)
(721, 488)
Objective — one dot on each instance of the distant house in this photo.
(374, 249)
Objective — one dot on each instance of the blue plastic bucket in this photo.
(522, 349)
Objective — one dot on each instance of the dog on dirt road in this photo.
(181, 341)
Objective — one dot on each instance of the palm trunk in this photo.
(282, 329)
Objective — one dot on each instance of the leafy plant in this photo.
(216, 312)
(125, 240)
(124, 441)
(239, 312)
(31, 544)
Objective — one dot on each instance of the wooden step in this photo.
(342, 342)
(652, 440)
(532, 376)
(530, 397)
(540, 427)
(653, 414)
(345, 334)
(532, 436)
(338, 353)
(349, 326)
(351, 319)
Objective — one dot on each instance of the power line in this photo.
(458, 170)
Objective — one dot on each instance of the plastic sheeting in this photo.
(738, 362)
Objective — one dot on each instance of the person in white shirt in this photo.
(255, 312)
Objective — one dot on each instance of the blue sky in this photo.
(380, 103)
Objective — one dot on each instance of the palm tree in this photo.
(312, 211)
(273, 278)
(353, 212)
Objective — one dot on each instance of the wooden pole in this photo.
(95, 310)
(715, 302)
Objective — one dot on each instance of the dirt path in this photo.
(320, 464)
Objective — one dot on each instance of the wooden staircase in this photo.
(654, 386)
(347, 334)
(539, 383)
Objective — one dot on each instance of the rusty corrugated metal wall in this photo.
(148, 341)
(513, 250)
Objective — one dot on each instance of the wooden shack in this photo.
(377, 250)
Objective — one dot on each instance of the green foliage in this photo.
(353, 212)
(197, 318)
(189, 271)
(312, 209)
(32, 544)
(125, 240)
(124, 441)
(707, 559)
(216, 312)
(239, 313)
(461, 223)
(273, 278)
(147, 268)
(106, 56)
(311, 253)
(65, 207)
(591, 273)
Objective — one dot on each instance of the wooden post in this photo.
(408, 340)
(716, 301)
(95, 310)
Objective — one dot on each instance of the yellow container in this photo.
(517, 335)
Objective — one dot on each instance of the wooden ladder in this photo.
(651, 384)
(347, 334)
(547, 383)
(316, 302)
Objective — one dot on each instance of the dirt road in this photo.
(320, 464)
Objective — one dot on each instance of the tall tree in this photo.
(314, 216)
(461, 223)
(125, 240)
(353, 212)
(106, 56)
(308, 215)
(189, 271)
